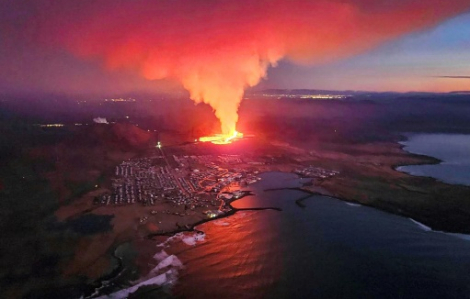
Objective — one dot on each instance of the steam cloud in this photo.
(217, 48)
(100, 120)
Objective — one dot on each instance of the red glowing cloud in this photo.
(217, 48)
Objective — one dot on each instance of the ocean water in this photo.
(452, 149)
(328, 249)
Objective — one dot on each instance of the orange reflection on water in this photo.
(236, 260)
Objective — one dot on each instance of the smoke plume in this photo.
(218, 48)
(100, 120)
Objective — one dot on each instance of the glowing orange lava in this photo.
(222, 138)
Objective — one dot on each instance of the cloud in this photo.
(454, 77)
(217, 48)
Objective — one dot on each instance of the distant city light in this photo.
(51, 125)
(307, 96)
(120, 100)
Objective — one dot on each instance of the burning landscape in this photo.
(222, 139)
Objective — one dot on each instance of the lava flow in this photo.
(222, 138)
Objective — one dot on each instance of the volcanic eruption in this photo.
(218, 48)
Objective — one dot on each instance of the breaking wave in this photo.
(351, 204)
(165, 273)
(428, 229)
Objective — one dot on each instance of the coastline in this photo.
(452, 165)
(97, 284)
(418, 159)
(310, 194)
(423, 159)
(380, 185)
(355, 176)
(232, 211)
(429, 229)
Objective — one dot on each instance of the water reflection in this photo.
(236, 260)
(326, 250)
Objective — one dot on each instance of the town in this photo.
(188, 181)
(205, 183)
(316, 172)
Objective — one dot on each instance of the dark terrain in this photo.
(43, 168)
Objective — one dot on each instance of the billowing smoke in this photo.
(100, 120)
(217, 48)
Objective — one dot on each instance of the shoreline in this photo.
(93, 288)
(192, 228)
(229, 213)
(432, 160)
(311, 193)
(331, 188)
(429, 229)
(386, 188)
(299, 202)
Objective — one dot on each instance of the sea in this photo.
(452, 149)
(323, 248)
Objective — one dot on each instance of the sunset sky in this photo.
(416, 62)
(103, 47)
